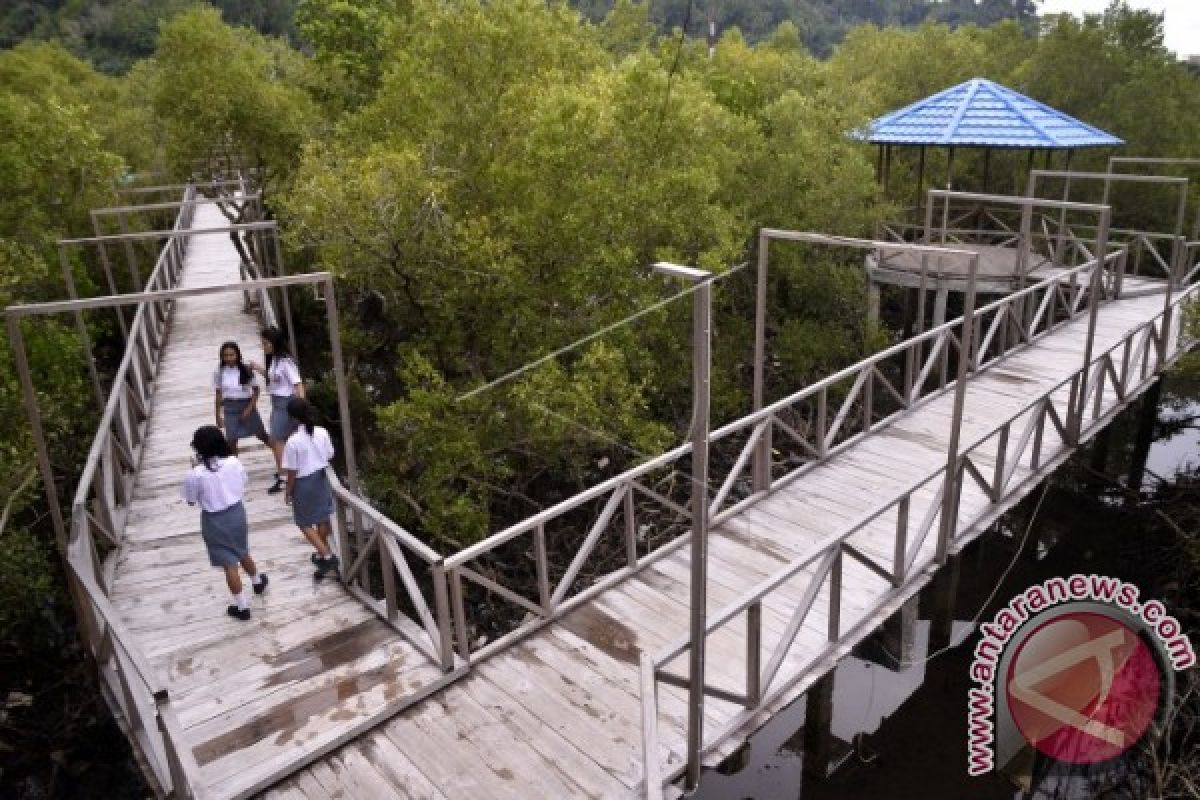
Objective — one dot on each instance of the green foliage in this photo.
(229, 94)
(27, 583)
(348, 39)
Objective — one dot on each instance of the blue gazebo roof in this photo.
(980, 113)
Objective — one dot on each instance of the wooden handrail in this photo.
(836, 544)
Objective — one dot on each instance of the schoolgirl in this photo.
(217, 482)
(305, 457)
(283, 383)
(236, 398)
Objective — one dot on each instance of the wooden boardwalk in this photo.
(251, 696)
(558, 714)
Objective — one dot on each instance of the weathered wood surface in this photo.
(556, 715)
(566, 700)
(312, 663)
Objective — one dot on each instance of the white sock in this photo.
(242, 599)
(256, 578)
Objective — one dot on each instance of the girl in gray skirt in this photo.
(283, 383)
(237, 398)
(217, 482)
(305, 457)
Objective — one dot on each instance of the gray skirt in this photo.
(281, 423)
(236, 427)
(312, 501)
(225, 534)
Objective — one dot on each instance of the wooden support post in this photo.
(940, 298)
(873, 301)
(920, 177)
(17, 341)
(339, 374)
(85, 340)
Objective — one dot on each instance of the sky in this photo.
(1182, 26)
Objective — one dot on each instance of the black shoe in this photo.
(259, 588)
(315, 558)
(326, 566)
(276, 487)
(238, 613)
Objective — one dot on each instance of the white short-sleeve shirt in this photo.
(307, 454)
(215, 490)
(282, 377)
(228, 381)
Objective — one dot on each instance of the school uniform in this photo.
(235, 397)
(282, 377)
(219, 494)
(308, 455)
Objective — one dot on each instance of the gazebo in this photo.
(984, 115)
(981, 115)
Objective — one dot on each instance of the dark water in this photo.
(902, 732)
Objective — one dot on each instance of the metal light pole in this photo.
(701, 336)
(762, 453)
(951, 485)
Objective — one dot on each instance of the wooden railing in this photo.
(638, 516)
(101, 506)
(873, 392)
(376, 552)
(1022, 440)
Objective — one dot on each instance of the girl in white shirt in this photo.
(236, 398)
(305, 457)
(283, 383)
(217, 482)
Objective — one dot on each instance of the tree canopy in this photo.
(491, 181)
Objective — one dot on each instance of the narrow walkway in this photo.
(559, 714)
(251, 696)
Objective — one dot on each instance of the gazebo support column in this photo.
(939, 306)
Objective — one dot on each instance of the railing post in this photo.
(460, 614)
(545, 597)
(388, 574)
(1001, 453)
(754, 654)
(834, 631)
(85, 340)
(949, 510)
(441, 597)
(900, 551)
(17, 341)
(339, 374)
(1178, 250)
(701, 339)
(631, 552)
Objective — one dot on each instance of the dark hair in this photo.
(210, 444)
(245, 376)
(279, 345)
(301, 410)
